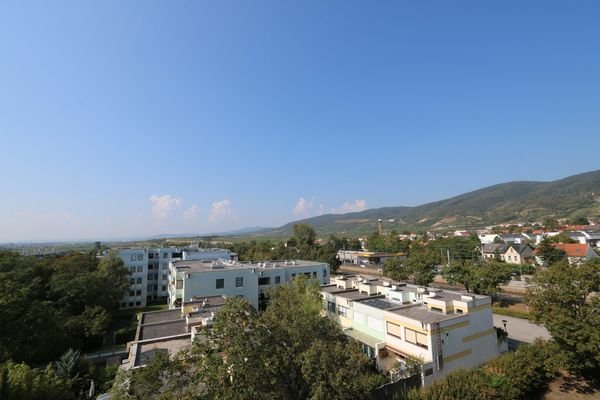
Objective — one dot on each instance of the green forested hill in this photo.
(577, 195)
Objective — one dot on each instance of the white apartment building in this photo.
(149, 270)
(194, 279)
(446, 330)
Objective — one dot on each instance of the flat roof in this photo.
(160, 316)
(160, 330)
(145, 351)
(421, 313)
(380, 304)
(356, 295)
(208, 266)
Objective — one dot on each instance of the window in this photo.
(277, 279)
(307, 274)
(343, 311)
(220, 283)
(324, 273)
(149, 287)
(132, 281)
(358, 317)
(164, 288)
(132, 269)
(130, 304)
(138, 280)
(150, 255)
(140, 257)
(314, 274)
(264, 281)
(330, 306)
(437, 309)
(179, 284)
(165, 255)
(293, 276)
(375, 323)
(131, 293)
(133, 258)
(414, 337)
(239, 281)
(394, 330)
(138, 292)
(429, 371)
(459, 311)
(138, 303)
(140, 268)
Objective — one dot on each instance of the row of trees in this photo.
(302, 245)
(52, 308)
(288, 351)
(50, 304)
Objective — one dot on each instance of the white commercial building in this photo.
(194, 279)
(149, 270)
(395, 322)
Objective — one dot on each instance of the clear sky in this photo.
(122, 118)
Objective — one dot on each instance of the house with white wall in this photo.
(251, 280)
(397, 322)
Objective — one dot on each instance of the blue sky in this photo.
(142, 117)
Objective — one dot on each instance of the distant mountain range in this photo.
(577, 195)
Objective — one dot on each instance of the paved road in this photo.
(521, 329)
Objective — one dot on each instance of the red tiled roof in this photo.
(573, 249)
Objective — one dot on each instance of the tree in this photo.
(564, 299)
(163, 378)
(392, 268)
(304, 234)
(419, 266)
(550, 223)
(462, 274)
(489, 276)
(480, 278)
(580, 220)
(549, 253)
(287, 352)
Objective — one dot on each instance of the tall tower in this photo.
(380, 227)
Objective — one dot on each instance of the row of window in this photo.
(155, 288)
(130, 304)
(411, 336)
(137, 257)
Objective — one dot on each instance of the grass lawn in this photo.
(512, 307)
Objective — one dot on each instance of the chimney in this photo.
(380, 227)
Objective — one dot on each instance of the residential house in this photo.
(577, 253)
(395, 322)
(149, 270)
(510, 253)
(197, 278)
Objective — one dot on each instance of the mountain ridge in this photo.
(517, 201)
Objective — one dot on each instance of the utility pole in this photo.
(448, 252)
